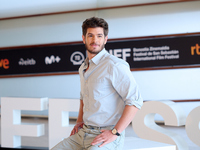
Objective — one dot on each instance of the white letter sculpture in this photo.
(192, 125)
(59, 127)
(145, 127)
(11, 127)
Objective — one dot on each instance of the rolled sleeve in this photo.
(126, 86)
(81, 96)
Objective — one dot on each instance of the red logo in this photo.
(4, 63)
(195, 48)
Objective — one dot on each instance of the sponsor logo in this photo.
(4, 63)
(27, 62)
(77, 58)
(52, 59)
(195, 49)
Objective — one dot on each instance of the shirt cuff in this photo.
(137, 103)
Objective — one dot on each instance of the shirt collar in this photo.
(86, 62)
(98, 57)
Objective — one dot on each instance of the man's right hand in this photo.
(76, 128)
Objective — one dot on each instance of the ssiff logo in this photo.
(4, 63)
(77, 58)
(193, 48)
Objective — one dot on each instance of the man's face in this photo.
(94, 40)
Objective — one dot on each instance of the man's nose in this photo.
(94, 39)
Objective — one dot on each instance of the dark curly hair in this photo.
(93, 23)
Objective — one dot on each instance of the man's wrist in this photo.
(115, 132)
(79, 122)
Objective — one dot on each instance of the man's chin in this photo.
(94, 51)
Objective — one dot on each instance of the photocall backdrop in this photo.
(173, 51)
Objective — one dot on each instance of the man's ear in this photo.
(106, 38)
(83, 37)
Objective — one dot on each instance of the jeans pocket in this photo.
(119, 142)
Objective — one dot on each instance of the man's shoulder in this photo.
(111, 59)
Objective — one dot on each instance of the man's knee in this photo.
(67, 144)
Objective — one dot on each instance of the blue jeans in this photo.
(83, 139)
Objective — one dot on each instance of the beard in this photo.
(94, 51)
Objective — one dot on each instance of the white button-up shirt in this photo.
(106, 87)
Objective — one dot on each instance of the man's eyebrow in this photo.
(97, 34)
(89, 34)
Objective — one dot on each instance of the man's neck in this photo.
(90, 56)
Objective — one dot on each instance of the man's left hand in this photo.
(106, 137)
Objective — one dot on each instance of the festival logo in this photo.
(77, 58)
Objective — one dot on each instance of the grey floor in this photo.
(43, 140)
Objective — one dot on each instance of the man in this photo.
(109, 97)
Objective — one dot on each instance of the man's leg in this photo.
(73, 142)
(92, 133)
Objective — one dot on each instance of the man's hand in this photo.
(76, 128)
(106, 137)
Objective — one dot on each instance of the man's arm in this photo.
(107, 136)
(126, 118)
(79, 121)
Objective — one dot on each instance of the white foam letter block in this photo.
(145, 127)
(192, 125)
(133, 143)
(11, 127)
(59, 127)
